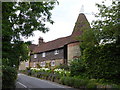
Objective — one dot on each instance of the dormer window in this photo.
(43, 54)
(35, 55)
(56, 52)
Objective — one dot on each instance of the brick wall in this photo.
(73, 51)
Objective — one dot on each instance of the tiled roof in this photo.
(60, 42)
(32, 47)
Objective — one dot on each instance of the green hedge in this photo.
(77, 67)
(9, 75)
(78, 82)
(103, 62)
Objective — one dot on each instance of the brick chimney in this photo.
(40, 41)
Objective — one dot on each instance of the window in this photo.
(52, 63)
(43, 54)
(56, 52)
(34, 64)
(35, 55)
(42, 64)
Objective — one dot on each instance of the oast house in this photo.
(61, 50)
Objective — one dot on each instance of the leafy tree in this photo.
(102, 62)
(21, 19)
(109, 24)
(106, 28)
(101, 43)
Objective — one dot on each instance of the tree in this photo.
(106, 29)
(101, 44)
(109, 24)
(21, 19)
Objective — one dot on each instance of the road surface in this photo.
(30, 83)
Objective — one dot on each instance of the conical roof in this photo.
(81, 24)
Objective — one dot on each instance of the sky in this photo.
(65, 15)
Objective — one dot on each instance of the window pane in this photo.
(43, 54)
(56, 52)
(34, 64)
(35, 55)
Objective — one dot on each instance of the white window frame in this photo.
(34, 64)
(53, 63)
(43, 54)
(35, 55)
(42, 64)
(56, 52)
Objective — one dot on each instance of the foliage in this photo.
(20, 19)
(30, 16)
(75, 82)
(63, 66)
(13, 57)
(105, 29)
(103, 62)
(38, 66)
(77, 67)
(60, 72)
(8, 81)
(101, 45)
(109, 24)
(88, 38)
(78, 82)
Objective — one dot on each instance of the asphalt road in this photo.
(30, 83)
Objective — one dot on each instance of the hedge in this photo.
(103, 62)
(77, 67)
(82, 83)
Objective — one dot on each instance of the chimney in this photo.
(40, 41)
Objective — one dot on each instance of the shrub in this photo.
(8, 81)
(62, 80)
(62, 72)
(80, 82)
(69, 81)
(38, 66)
(77, 67)
(75, 82)
(103, 62)
(92, 83)
(63, 66)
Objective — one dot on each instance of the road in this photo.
(30, 83)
